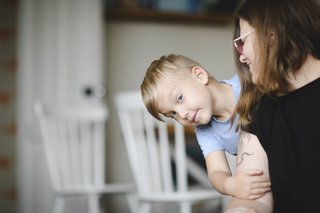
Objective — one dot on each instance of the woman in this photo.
(278, 61)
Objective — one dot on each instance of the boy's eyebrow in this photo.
(171, 95)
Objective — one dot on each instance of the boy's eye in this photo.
(180, 98)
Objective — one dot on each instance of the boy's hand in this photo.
(250, 184)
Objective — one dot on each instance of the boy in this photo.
(178, 87)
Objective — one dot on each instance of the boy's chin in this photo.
(203, 123)
(206, 121)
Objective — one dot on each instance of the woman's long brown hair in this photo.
(294, 26)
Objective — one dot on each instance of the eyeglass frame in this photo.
(240, 48)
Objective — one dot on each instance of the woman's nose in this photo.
(242, 58)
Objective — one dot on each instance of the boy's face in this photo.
(188, 100)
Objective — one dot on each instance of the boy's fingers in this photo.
(254, 172)
(260, 191)
(264, 185)
(259, 179)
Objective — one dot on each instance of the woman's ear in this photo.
(200, 74)
(272, 37)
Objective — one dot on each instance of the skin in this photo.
(180, 99)
(308, 72)
(248, 55)
(251, 155)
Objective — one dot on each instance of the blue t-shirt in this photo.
(217, 135)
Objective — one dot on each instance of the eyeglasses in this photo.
(239, 42)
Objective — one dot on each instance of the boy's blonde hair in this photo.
(166, 67)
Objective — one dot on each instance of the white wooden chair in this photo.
(151, 150)
(74, 149)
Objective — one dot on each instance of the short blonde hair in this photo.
(166, 67)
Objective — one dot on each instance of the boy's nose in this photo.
(183, 114)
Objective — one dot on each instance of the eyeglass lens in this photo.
(238, 45)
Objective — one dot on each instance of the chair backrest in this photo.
(74, 146)
(152, 145)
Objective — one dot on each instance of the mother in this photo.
(278, 61)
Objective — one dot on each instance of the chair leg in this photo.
(93, 204)
(58, 205)
(185, 207)
(133, 202)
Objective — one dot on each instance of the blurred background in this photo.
(71, 53)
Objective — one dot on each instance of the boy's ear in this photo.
(200, 74)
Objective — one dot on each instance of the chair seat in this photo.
(189, 196)
(106, 188)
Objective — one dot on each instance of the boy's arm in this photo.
(218, 171)
(251, 155)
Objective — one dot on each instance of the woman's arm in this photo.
(251, 155)
(249, 184)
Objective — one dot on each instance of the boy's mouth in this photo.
(194, 117)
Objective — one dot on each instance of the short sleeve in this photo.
(207, 140)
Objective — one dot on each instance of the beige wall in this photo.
(131, 46)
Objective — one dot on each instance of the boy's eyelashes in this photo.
(170, 115)
(180, 98)
(174, 114)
